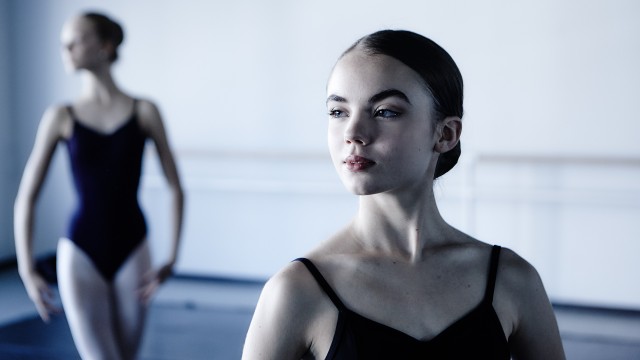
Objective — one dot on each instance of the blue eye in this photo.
(337, 113)
(386, 113)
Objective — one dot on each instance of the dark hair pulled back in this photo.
(438, 71)
(107, 30)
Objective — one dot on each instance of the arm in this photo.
(151, 122)
(279, 326)
(49, 133)
(535, 334)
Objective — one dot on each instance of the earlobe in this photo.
(448, 134)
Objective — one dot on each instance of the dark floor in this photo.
(205, 319)
(173, 333)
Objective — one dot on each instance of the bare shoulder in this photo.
(522, 300)
(58, 113)
(293, 280)
(146, 107)
(515, 265)
(518, 276)
(148, 116)
(518, 285)
(294, 290)
(56, 122)
(58, 110)
(285, 318)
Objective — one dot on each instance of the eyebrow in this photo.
(375, 98)
(387, 94)
(336, 98)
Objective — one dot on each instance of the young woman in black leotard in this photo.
(398, 282)
(105, 276)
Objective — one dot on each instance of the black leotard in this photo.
(108, 223)
(477, 335)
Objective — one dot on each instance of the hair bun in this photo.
(107, 30)
(446, 161)
(117, 34)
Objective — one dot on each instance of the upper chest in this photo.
(420, 300)
(103, 119)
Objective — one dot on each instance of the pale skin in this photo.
(89, 300)
(397, 262)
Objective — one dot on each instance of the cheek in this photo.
(411, 154)
(421, 149)
(334, 139)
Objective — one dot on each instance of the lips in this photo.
(358, 163)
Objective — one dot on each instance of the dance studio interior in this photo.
(550, 166)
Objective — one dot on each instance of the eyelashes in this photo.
(378, 113)
(336, 113)
(386, 113)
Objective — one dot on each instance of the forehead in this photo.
(360, 73)
(78, 26)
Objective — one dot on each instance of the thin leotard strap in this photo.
(70, 111)
(493, 272)
(322, 282)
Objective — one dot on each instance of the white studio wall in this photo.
(550, 161)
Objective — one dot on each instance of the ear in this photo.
(107, 49)
(448, 134)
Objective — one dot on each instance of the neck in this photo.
(404, 226)
(98, 85)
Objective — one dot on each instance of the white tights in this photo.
(106, 319)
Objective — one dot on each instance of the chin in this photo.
(362, 189)
(71, 67)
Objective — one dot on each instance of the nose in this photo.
(66, 48)
(357, 131)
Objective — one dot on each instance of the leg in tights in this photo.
(130, 312)
(88, 302)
